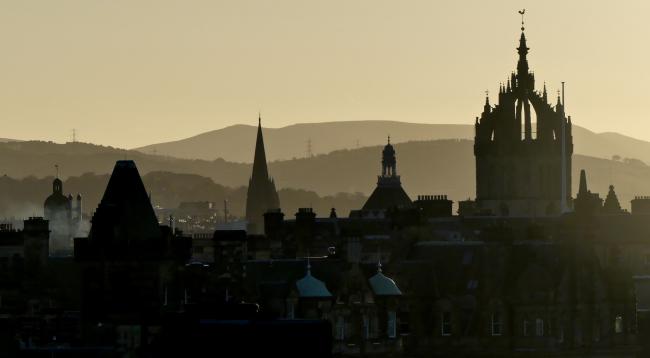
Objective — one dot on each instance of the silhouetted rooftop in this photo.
(125, 212)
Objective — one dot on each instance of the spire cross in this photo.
(57, 170)
(522, 12)
(389, 139)
(487, 93)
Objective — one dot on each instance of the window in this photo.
(392, 324)
(340, 328)
(496, 324)
(539, 327)
(527, 328)
(618, 324)
(445, 324)
(366, 327)
(291, 313)
(467, 257)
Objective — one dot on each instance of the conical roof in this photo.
(261, 194)
(386, 197)
(125, 212)
(260, 170)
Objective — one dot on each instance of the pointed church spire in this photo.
(262, 194)
(544, 94)
(259, 161)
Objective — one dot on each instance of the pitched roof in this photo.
(125, 211)
(385, 197)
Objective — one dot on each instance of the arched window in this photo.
(618, 324)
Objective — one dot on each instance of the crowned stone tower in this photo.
(521, 171)
(262, 195)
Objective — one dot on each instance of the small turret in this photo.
(582, 189)
(388, 162)
(611, 205)
(487, 108)
(333, 213)
(57, 186)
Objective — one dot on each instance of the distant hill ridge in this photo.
(426, 167)
(234, 143)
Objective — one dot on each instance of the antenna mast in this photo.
(309, 150)
(225, 211)
(563, 204)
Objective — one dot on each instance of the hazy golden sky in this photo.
(129, 73)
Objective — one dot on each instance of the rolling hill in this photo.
(235, 143)
(24, 197)
(426, 167)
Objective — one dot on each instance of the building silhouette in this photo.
(128, 259)
(389, 192)
(64, 215)
(519, 170)
(262, 195)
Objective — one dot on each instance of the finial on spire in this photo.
(259, 118)
(308, 265)
(379, 260)
(57, 170)
(389, 139)
(522, 12)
